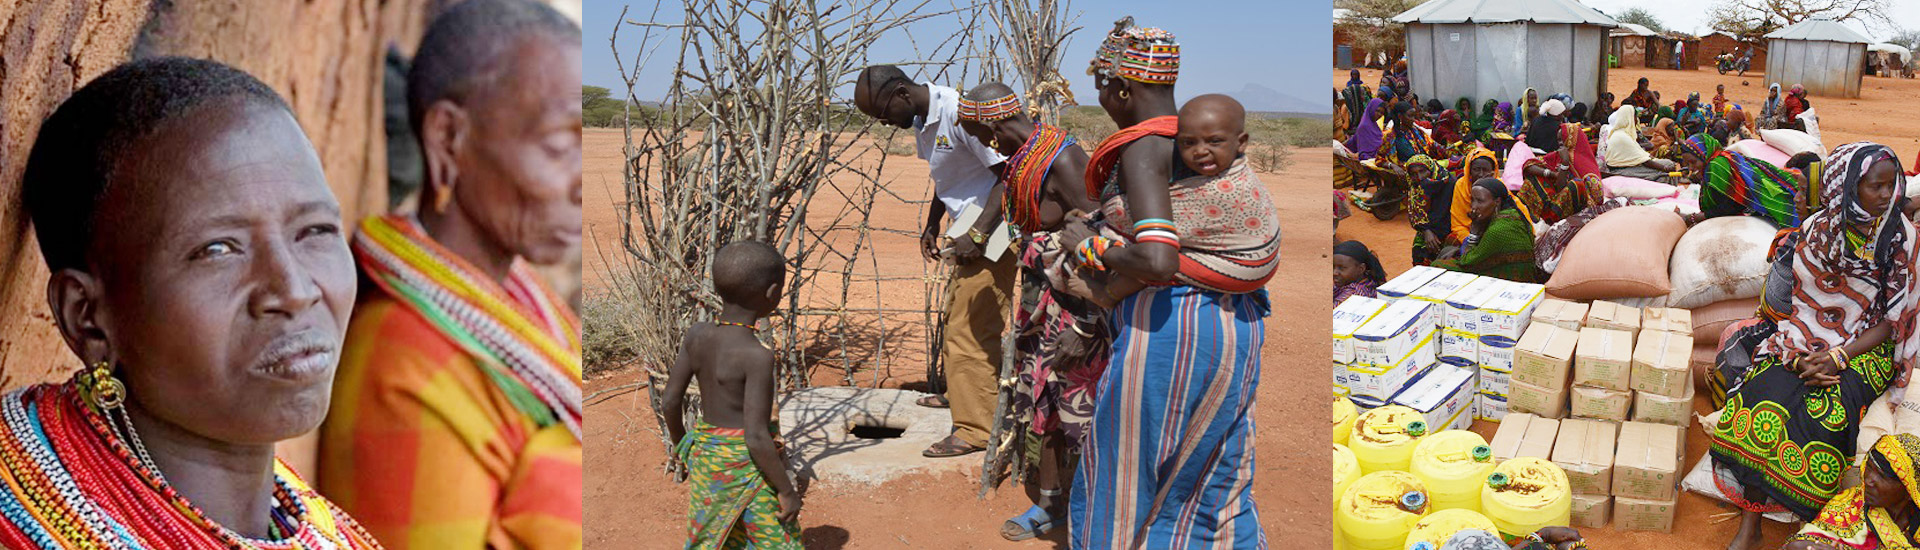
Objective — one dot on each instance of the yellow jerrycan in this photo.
(1379, 509)
(1383, 438)
(1453, 464)
(1524, 494)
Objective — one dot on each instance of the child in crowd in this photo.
(742, 496)
(1356, 271)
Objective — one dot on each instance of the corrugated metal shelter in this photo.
(1496, 49)
(1825, 57)
(1629, 44)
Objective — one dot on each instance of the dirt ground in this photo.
(1878, 115)
(629, 499)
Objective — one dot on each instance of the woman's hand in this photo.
(1815, 369)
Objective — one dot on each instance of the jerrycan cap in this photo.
(1497, 480)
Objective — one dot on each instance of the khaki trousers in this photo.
(977, 302)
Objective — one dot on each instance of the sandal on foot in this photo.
(1033, 523)
(950, 447)
(935, 401)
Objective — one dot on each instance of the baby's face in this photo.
(1209, 140)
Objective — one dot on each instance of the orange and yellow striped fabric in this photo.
(425, 450)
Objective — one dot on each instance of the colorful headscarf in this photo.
(1899, 455)
(991, 110)
(1503, 117)
(1365, 142)
(1772, 106)
(1141, 54)
(1847, 280)
(1700, 145)
(1446, 128)
(1484, 120)
(1848, 521)
(1353, 78)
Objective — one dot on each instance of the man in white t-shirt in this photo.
(964, 173)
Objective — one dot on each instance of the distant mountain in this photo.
(1261, 98)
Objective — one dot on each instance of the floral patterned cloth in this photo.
(731, 507)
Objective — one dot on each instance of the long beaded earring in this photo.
(108, 396)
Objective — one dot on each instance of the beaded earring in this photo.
(108, 395)
(993, 143)
(441, 199)
(105, 392)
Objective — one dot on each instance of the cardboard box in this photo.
(1646, 462)
(1592, 511)
(1407, 282)
(1490, 407)
(1659, 409)
(1349, 317)
(1382, 381)
(1495, 381)
(1497, 352)
(1444, 395)
(1604, 359)
(1508, 313)
(1674, 320)
(1584, 448)
(1561, 313)
(1601, 403)
(1523, 434)
(1459, 348)
(1462, 309)
(1393, 334)
(1339, 377)
(1545, 402)
(1544, 356)
(1660, 363)
(1609, 315)
(1636, 514)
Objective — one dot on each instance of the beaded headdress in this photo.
(1141, 54)
(990, 110)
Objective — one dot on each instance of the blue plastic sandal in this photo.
(1033, 523)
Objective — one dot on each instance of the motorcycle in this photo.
(1728, 63)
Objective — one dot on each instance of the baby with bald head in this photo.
(1212, 133)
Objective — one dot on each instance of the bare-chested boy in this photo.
(1061, 339)
(742, 496)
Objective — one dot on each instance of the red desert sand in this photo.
(629, 499)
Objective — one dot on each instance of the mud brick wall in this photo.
(325, 56)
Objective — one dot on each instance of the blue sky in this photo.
(1225, 46)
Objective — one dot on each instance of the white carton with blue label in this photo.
(1496, 381)
(1347, 318)
(1382, 381)
(1444, 395)
(1507, 312)
(1459, 349)
(1340, 378)
(1496, 352)
(1407, 282)
(1438, 290)
(1490, 407)
(1394, 333)
(1462, 309)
